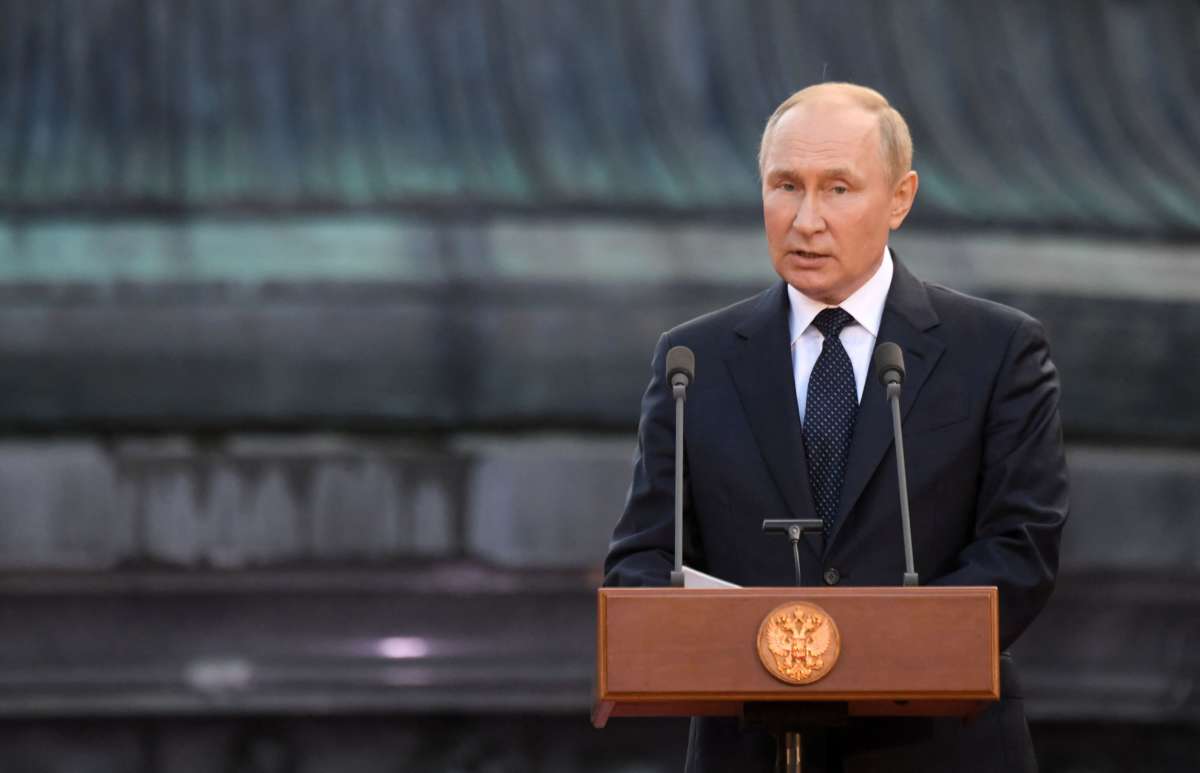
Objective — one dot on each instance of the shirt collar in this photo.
(865, 304)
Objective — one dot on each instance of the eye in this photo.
(787, 186)
(840, 189)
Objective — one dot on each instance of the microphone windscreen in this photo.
(888, 360)
(681, 360)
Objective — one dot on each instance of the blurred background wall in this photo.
(323, 327)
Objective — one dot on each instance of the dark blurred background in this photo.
(323, 327)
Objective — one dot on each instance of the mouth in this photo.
(809, 255)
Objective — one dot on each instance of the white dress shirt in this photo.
(858, 338)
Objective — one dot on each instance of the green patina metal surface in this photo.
(1027, 114)
(146, 250)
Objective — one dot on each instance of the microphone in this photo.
(681, 371)
(793, 529)
(681, 367)
(888, 365)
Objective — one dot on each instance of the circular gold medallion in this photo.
(798, 643)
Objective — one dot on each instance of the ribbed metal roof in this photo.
(1079, 115)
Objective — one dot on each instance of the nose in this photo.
(808, 219)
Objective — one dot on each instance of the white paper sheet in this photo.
(693, 578)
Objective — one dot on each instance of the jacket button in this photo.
(832, 576)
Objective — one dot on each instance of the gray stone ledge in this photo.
(246, 254)
(370, 323)
(503, 358)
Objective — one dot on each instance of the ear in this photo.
(902, 199)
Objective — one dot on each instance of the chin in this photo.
(823, 295)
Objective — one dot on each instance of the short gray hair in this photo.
(895, 139)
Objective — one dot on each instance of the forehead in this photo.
(825, 134)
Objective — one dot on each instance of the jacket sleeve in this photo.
(642, 549)
(1022, 500)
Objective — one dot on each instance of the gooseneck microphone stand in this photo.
(681, 370)
(889, 369)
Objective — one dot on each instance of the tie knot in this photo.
(831, 321)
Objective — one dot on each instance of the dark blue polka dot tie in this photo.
(829, 412)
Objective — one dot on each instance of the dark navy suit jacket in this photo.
(987, 484)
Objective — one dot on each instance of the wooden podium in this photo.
(927, 651)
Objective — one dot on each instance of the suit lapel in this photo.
(907, 316)
(761, 366)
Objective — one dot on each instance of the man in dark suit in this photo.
(785, 422)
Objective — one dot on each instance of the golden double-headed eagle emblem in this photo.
(798, 643)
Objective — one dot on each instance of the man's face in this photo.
(828, 199)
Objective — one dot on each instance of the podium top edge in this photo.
(782, 591)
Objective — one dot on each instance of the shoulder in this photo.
(991, 344)
(979, 321)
